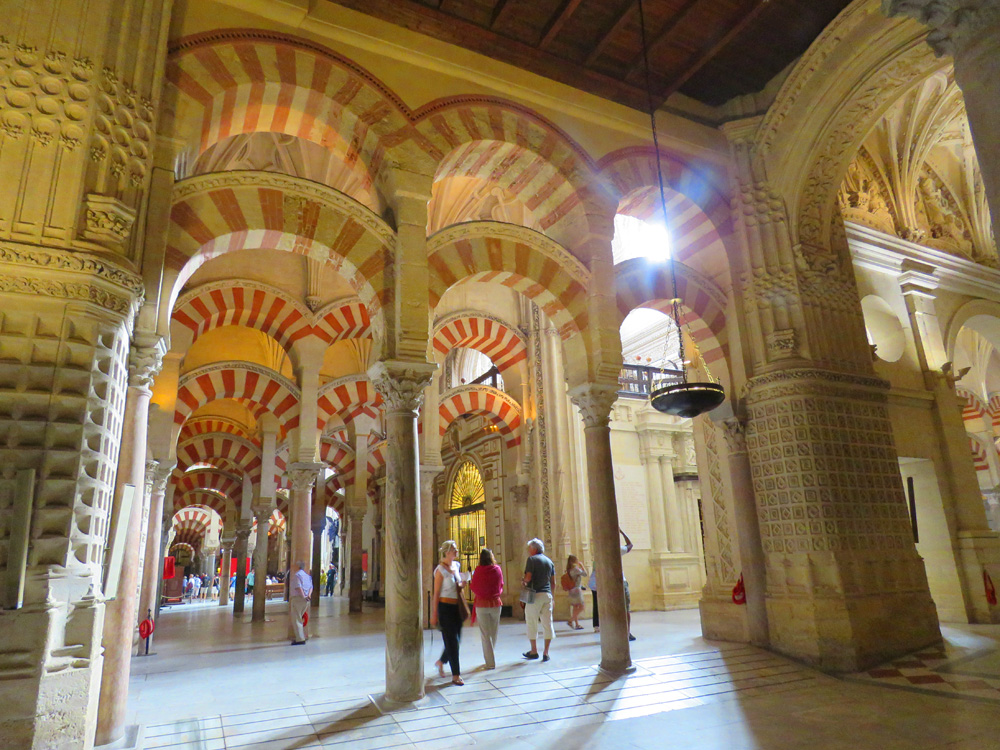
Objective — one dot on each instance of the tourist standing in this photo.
(592, 585)
(195, 587)
(444, 609)
(331, 579)
(298, 602)
(487, 585)
(540, 578)
(573, 583)
(625, 549)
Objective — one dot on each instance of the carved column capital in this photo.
(150, 475)
(161, 475)
(954, 24)
(303, 475)
(243, 532)
(594, 400)
(401, 384)
(262, 509)
(734, 430)
(144, 363)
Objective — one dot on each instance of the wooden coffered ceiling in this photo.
(710, 50)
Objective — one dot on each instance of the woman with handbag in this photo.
(487, 585)
(572, 583)
(446, 609)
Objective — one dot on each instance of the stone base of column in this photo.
(43, 708)
(677, 580)
(721, 619)
(979, 551)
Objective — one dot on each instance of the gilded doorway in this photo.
(467, 514)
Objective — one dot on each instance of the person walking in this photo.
(487, 585)
(572, 582)
(331, 579)
(625, 549)
(444, 609)
(540, 578)
(298, 603)
(592, 585)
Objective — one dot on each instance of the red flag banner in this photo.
(739, 592)
(991, 592)
(168, 568)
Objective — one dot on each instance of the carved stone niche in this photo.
(108, 222)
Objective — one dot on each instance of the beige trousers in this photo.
(297, 607)
(488, 621)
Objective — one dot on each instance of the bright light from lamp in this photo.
(635, 238)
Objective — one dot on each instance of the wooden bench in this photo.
(274, 589)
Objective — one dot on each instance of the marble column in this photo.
(166, 522)
(748, 531)
(654, 483)
(356, 504)
(225, 571)
(303, 478)
(402, 387)
(120, 614)
(262, 510)
(595, 402)
(240, 549)
(968, 31)
(672, 510)
(318, 524)
(152, 570)
(427, 552)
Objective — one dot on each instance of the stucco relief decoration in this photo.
(401, 384)
(720, 564)
(862, 196)
(594, 402)
(953, 23)
(144, 364)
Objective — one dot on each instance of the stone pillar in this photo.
(240, 549)
(427, 551)
(318, 523)
(120, 613)
(262, 510)
(672, 510)
(303, 478)
(152, 570)
(402, 387)
(225, 571)
(968, 31)
(747, 531)
(655, 494)
(356, 504)
(595, 402)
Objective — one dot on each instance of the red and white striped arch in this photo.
(190, 526)
(640, 283)
(260, 386)
(205, 425)
(209, 447)
(376, 457)
(340, 456)
(699, 216)
(519, 258)
(178, 546)
(346, 398)
(228, 485)
(503, 344)
(979, 455)
(993, 407)
(265, 309)
(973, 407)
(200, 499)
(220, 213)
(495, 405)
(241, 81)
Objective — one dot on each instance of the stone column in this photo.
(427, 552)
(318, 524)
(672, 510)
(356, 504)
(120, 613)
(747, 531)
(152, 571)
(654, 484)
(240, 549)
(968, 31)
(225, 571)
(303, 478)
(595, 402)
(262, 510)
(402, 387)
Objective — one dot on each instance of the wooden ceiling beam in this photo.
(501, 9)
(555, 24)
(423, 19)
(637, 65)
(623, 18)
(713, 49)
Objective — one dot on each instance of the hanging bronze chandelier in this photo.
(670, 391)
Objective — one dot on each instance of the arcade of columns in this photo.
(129, 240)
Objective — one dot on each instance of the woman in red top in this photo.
(487, 585)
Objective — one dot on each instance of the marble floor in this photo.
(217, 683)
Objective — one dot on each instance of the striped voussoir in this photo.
(210, 447)
(190, 526)
(245, 82)
(176, 547)
(268, 310)
(503, 344)
(339, 456)
(218, 483)
(980, 458)
(203, 499)
(205, 425)
(226, 212)
(255, 384)
(376, 458)
(993, 406)
(482, 400)
(640, 283)
(522, 259)
(346, 398)
(973, 407)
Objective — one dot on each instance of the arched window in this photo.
(467, 511)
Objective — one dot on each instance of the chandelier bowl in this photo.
(687, 399)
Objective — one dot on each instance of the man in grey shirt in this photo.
(540, 577)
